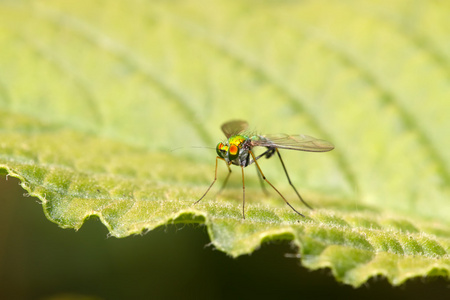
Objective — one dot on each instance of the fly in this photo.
(238, 150)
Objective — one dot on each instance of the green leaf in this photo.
(96, 96)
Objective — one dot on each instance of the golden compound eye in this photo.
(233, 152)
(221, 149)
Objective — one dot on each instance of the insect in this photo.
(238, 150)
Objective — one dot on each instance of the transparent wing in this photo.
(234, 127)
(294, 142)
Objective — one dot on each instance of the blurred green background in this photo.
(39, 260)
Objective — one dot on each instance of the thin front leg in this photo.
(215, 178)
(224, 184)
(264, 177)
(243, 193)
(289, 180)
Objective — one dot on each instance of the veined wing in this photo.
(234, 127)
(294, 142)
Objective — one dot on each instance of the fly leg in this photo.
(243, 193)
(264, 177)
(268, 153)
(261, 181)
(224, 184)
(215, 178)
(289, 180)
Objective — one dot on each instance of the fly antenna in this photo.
(196, 147)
